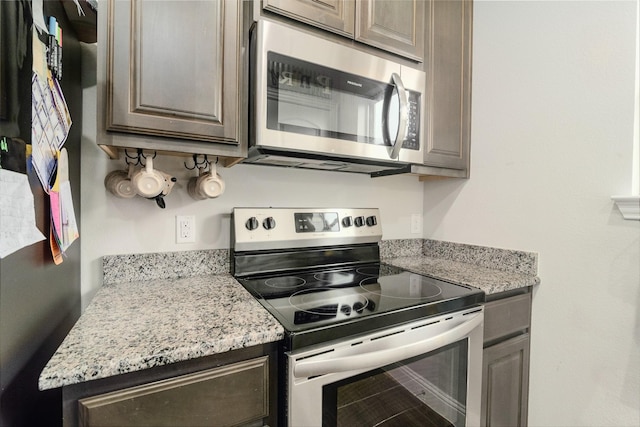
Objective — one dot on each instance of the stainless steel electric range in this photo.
(359, 333)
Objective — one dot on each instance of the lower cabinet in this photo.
(505, 376)
(236, 393)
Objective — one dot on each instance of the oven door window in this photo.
(428, 390)
(310, 99)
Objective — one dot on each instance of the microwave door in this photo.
(319, 98)
(308, 99)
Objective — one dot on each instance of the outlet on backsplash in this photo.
(416, 223)
(185, 229)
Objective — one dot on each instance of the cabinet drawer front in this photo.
(228, 395)
(506, 316)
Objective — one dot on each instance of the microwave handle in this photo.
(404, 116)
(376, 359)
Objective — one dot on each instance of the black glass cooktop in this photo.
(329, 303)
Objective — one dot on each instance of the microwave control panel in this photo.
(412, 140)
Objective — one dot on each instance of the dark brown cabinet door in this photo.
(449, 84)
(396, 26)
(505, 383)
(236, 394)
(172, 69)
(332, 15)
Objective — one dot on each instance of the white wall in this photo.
(551, 142)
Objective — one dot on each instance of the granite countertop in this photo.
(130, 326)
(491, 281)
(493, 270)
(158, 309)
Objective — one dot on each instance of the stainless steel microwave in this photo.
(319, 104)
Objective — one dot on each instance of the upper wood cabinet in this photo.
(172, 70)
(392, 25)
(449, 84)
(396, 26)
(333, 15)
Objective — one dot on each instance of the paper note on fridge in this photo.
(17, 213)
(50, 124)
(63, 218)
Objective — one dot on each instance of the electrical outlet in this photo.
(416, 223)
(185, 229)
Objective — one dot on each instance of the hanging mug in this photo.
(207, 185)
(148, 182)
(119, 183)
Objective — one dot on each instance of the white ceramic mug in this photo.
(119, 184)
(148, 182)
(207, 185)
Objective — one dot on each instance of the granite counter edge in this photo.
(56, 374)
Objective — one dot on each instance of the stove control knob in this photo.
(252, 223)
(371, 221)
(359, 221)
(269, 223)
(358, 307)
(347, 221)
(345, 309)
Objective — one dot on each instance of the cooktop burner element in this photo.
(418, 287)
(335, 278)
(285, 282)
(328, 284)
(369, 271)
(314, 305)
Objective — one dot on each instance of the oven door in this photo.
(316, 96)
(424, 373)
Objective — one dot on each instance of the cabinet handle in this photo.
(384, 357)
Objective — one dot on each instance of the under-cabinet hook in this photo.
(141, 156)
(195, 163)
(200, 164)
(129, 156)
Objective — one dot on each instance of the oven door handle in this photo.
(376, 359)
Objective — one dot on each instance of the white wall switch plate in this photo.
(416, 223)
(185, 229)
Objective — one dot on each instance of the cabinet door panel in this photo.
(173, 68)
(229, 395)
(333, 15)
(393, 25)
(506, 383)
(450, 84)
